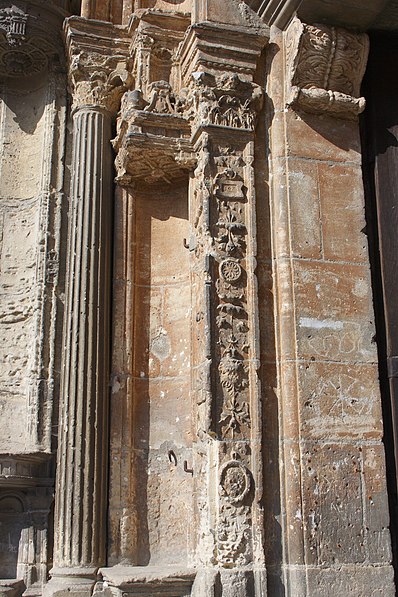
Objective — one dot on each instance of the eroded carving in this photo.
(98, 77)
(99, 83)
(326, 66)
(25, 47)
(13, 22)
(226, 100)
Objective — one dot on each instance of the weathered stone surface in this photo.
(220, 429)
(326, 359)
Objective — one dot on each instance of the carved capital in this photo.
(100, 84)
(227, 100)
(97, 64)
(325, 69)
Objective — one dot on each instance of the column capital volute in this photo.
(98, 67)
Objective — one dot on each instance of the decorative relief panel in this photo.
(224, 356)
(326, 66)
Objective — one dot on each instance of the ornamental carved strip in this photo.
(325, 68)
(225, 381)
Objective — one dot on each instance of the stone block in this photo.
(334, 311)
(321, 137)
(339, 401)
(305, 213)
(342, 213)
(337, 491)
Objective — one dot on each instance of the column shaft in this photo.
(80, 519)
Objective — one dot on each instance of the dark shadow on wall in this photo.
(379, 136)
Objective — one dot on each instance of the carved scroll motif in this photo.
(325, 69)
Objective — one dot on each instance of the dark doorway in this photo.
(379, 128)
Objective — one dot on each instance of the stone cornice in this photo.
(98, 55)
(220, 48)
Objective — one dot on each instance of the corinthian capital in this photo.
(325, 69)
(97, 65)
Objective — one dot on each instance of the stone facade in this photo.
(188, 372)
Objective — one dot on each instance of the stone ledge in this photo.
(156, 581)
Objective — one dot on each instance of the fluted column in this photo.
(81, 487)
(82, 455)
(82, 451)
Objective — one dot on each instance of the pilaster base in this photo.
(153, 581)
(230, 583)
(71, 582)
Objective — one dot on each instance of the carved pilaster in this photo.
(325, 69)
(225, 385)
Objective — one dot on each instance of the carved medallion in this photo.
(235, 481)
(25, 61)
(230, 270)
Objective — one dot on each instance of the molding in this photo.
(278, 12)
(325, 69)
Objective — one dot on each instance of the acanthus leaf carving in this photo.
(325, 69)
(98, 82)
(98, 76)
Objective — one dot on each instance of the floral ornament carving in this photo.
(325, 69)
(97, 81)
(230, 270)
(232, 316)
(233, 536)
(226, 101)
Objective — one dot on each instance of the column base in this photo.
(71, 582)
